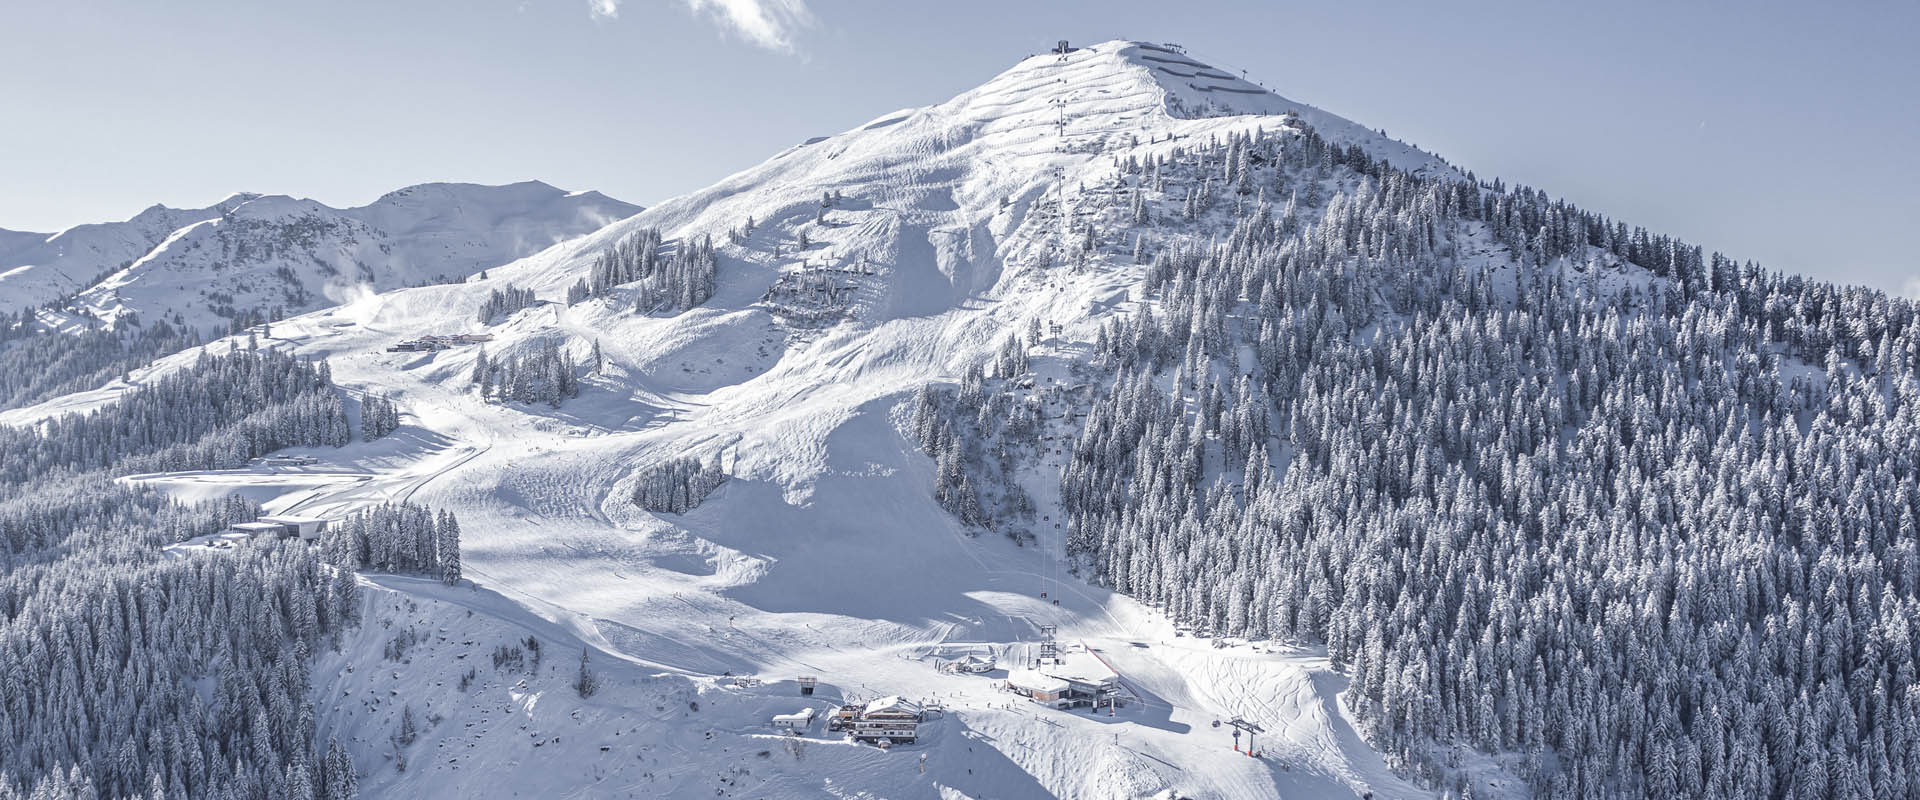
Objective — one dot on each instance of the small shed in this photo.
(798, 720)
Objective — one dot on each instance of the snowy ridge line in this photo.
(231, 264)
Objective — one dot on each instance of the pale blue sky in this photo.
(1783, 132)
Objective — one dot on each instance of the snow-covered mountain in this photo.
(1272, 417)
(851, 271)
(273, 253)
(36, 268)
(945, 228)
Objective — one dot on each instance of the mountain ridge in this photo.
(164, 259)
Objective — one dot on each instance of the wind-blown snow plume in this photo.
(603, 9)
(344, 294)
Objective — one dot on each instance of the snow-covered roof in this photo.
(286, 520)
(1035, 681)
(257, 526)
(798, 716)
(893, 704)
(1080, 666)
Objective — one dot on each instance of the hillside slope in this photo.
(824, 553)
(1274, 417)
(945, 228)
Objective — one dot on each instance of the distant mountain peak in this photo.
(168, 262)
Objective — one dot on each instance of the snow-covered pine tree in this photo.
(677, 486)
(447, 547)
(379, 416)
(586, 682)
(502, 303)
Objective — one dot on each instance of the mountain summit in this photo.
(1184, 404)
(959, 192)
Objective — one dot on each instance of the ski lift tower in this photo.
(1250, 728)
(1049, 649)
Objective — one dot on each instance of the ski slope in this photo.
(824, 554)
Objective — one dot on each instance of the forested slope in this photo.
(1544, 484)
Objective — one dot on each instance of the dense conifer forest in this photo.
(397, 538)
(1637, 520)
(379, 415)
(129, 673)
(218, 413)
(36, 366)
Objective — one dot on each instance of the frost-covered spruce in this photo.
(396, 538)
(150, 628)
(215, 414)
(45, 364)
(677, 486)
(1669, 517)
(975, 435)
(503, 303)
(666, 279)
(379, 416)
(546, 374)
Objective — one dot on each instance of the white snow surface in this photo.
(39, 267)
(824, 554)
(270, 251)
